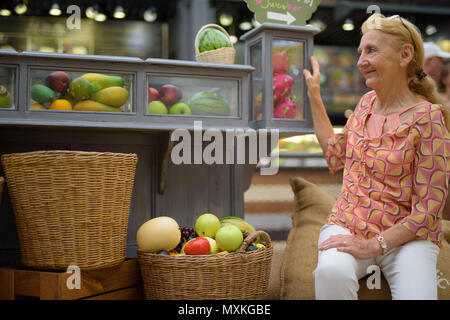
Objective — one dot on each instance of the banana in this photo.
(90, 105)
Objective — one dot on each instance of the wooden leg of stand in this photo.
(7, 284)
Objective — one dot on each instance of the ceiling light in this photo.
(55, 10)
(319, 24)
(245, 25)
(5, 12)
(91, 12)
(225, 19)
(430, 30)
(348, 25)
(20, 8)
(255, 23)
(150, 15)
(100, 17)
(119, 13)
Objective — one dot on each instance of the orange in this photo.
(37, 106)
(60, 104)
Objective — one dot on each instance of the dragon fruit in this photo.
(285, 109)
(281, 63)
(282, 86)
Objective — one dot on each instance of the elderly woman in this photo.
(394, 150)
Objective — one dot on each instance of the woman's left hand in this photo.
(360, 249)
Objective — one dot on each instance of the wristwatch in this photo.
(383, 244)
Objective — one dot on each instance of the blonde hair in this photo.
(404, 32)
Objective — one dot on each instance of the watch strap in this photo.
(383, 244)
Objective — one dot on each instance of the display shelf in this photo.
(112, 92)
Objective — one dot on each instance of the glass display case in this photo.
(122, 92)
(279, 53)
(8, 78)
(192, 96)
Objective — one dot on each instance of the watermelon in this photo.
(212, 39)
(208, 103)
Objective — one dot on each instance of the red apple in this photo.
(197, 246)
(153, 94)
(58, 81)
(169, 94)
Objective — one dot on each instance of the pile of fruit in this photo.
(284, 102)
(168, 100)
(210, 235)
(88, 92)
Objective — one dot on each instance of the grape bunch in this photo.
(186, 235)
(245, 235)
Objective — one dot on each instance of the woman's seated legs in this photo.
(411, 270)
(337, 273)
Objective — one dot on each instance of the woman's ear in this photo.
(406, 54)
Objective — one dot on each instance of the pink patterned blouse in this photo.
(400, 176)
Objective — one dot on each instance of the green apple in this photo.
(180, 108)
(157, 107)
(229, 238)
(213, 245)
(207, 225)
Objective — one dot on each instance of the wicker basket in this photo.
(221, 55)
(71, 207)
(232, 276)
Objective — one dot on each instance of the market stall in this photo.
(125, 105)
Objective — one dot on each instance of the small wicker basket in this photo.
(233, 276)
(71, 207)
(221, 55)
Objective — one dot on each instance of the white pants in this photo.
(409, 269)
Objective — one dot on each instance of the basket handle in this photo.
(252, 236)
(210, 25)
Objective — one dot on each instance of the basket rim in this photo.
(33, 157)
(203, 256)
(210, 25)
(215, 51)
(242, 249)
(64, 151)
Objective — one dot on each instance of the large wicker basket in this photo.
(233, 276)
(71, 207)
(221, 55)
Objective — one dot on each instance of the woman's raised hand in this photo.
(313, 80)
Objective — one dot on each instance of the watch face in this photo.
(384, 245)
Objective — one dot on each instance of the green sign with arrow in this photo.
(292, 12)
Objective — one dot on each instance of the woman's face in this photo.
(379, 60)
